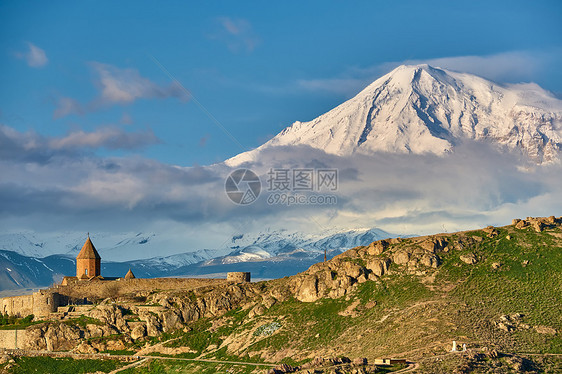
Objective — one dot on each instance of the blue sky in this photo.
(255, 66)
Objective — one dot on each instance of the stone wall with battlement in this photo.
(102, 289)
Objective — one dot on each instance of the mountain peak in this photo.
(421, 109)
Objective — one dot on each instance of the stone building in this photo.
(129, 275)
(238, 277)
(88, 264)
(88, 261)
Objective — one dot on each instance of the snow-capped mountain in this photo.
(281, 245)
(118, 247)
(421, 109)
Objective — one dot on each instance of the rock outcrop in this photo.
(340, 275)
(537, 223)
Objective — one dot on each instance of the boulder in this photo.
(491, 231)
(62, 337)
(505, 326)
(34, 338)
(153, 324)
(430, 261)
(258, 310)
(139, 331)
(170, 319)
(109, 314)
(545, 330)
(115, 345)
(433, 244)
(538, 226)
(85, 347)
(378, 266)
(469, 259)
(350, 269)
(93, 331)
(268, 301)
(378, 247)
(401, 257)
(308, 290)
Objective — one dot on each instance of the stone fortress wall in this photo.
(47, 301)
(39, 303)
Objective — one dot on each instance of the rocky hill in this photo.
(497, 290)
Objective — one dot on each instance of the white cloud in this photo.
(124, 86)
(512, 67)
(473, 187)
(34, 56)
(31, 147)
(108, 137)
(66, 106)
(117, 86)
(335, 85)
(236, 33)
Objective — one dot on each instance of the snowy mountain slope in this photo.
(282, 245)
(139, 246)
(111, 246)
(420, 109)
(30, 244)
(18, 271)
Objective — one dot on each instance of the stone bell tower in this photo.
(88, 261)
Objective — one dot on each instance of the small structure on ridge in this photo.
(129, 275)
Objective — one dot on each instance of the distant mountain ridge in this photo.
(420, 109)
(267, 255)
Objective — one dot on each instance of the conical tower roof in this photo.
(88, 251)
(130, 275)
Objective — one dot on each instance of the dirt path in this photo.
(136, 363)
(411, 367)
(98, 356)
(160, 348)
